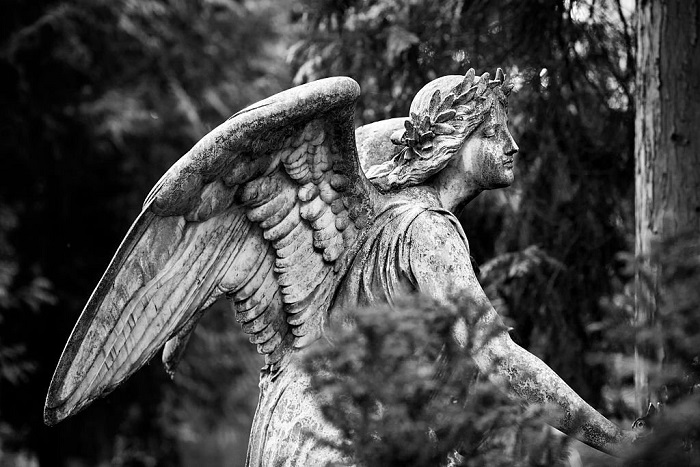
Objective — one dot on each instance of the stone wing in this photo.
(267, 209)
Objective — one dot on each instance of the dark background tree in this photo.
(667, 152)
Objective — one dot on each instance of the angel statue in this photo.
(273, 210)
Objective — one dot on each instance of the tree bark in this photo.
(667, 151)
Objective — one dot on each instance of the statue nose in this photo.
(511, 147)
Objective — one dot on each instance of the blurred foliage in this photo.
(99, 98)
(673, 431)
(402, 391)
(210, 406)
(571, 114)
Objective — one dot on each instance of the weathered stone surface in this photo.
(273, 210)
(374, 145)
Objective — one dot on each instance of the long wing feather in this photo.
(266, 208)
(139, 303)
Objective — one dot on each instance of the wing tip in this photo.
(56, 414)
(57, 406)
(61, 403)
(56, 410)
(52, 416)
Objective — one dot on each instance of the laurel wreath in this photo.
(420, 131)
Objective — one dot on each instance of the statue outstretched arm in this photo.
(442, 268)
(532, 380)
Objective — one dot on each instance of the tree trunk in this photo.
(667, 148)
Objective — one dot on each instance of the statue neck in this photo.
(454, 189)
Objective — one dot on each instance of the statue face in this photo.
(486, 157)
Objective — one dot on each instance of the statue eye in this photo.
(489, 132)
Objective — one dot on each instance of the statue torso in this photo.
(288, 423)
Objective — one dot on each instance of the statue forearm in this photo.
(533, 381)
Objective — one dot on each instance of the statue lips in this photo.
(508, 163)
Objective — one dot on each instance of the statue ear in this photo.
(397, 137)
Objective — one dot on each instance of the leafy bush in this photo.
(402, 391)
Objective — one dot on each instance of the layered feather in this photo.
(265, 209)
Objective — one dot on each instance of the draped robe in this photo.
(288, 427)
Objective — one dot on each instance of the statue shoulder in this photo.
(439, 255)
(374, 145)
(437, 233)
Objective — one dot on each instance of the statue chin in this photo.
(509, 179)
(504, 180)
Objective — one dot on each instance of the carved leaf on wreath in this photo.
(421, 131)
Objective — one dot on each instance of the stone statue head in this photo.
(444, 113)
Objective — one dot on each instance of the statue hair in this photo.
(437, 130)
